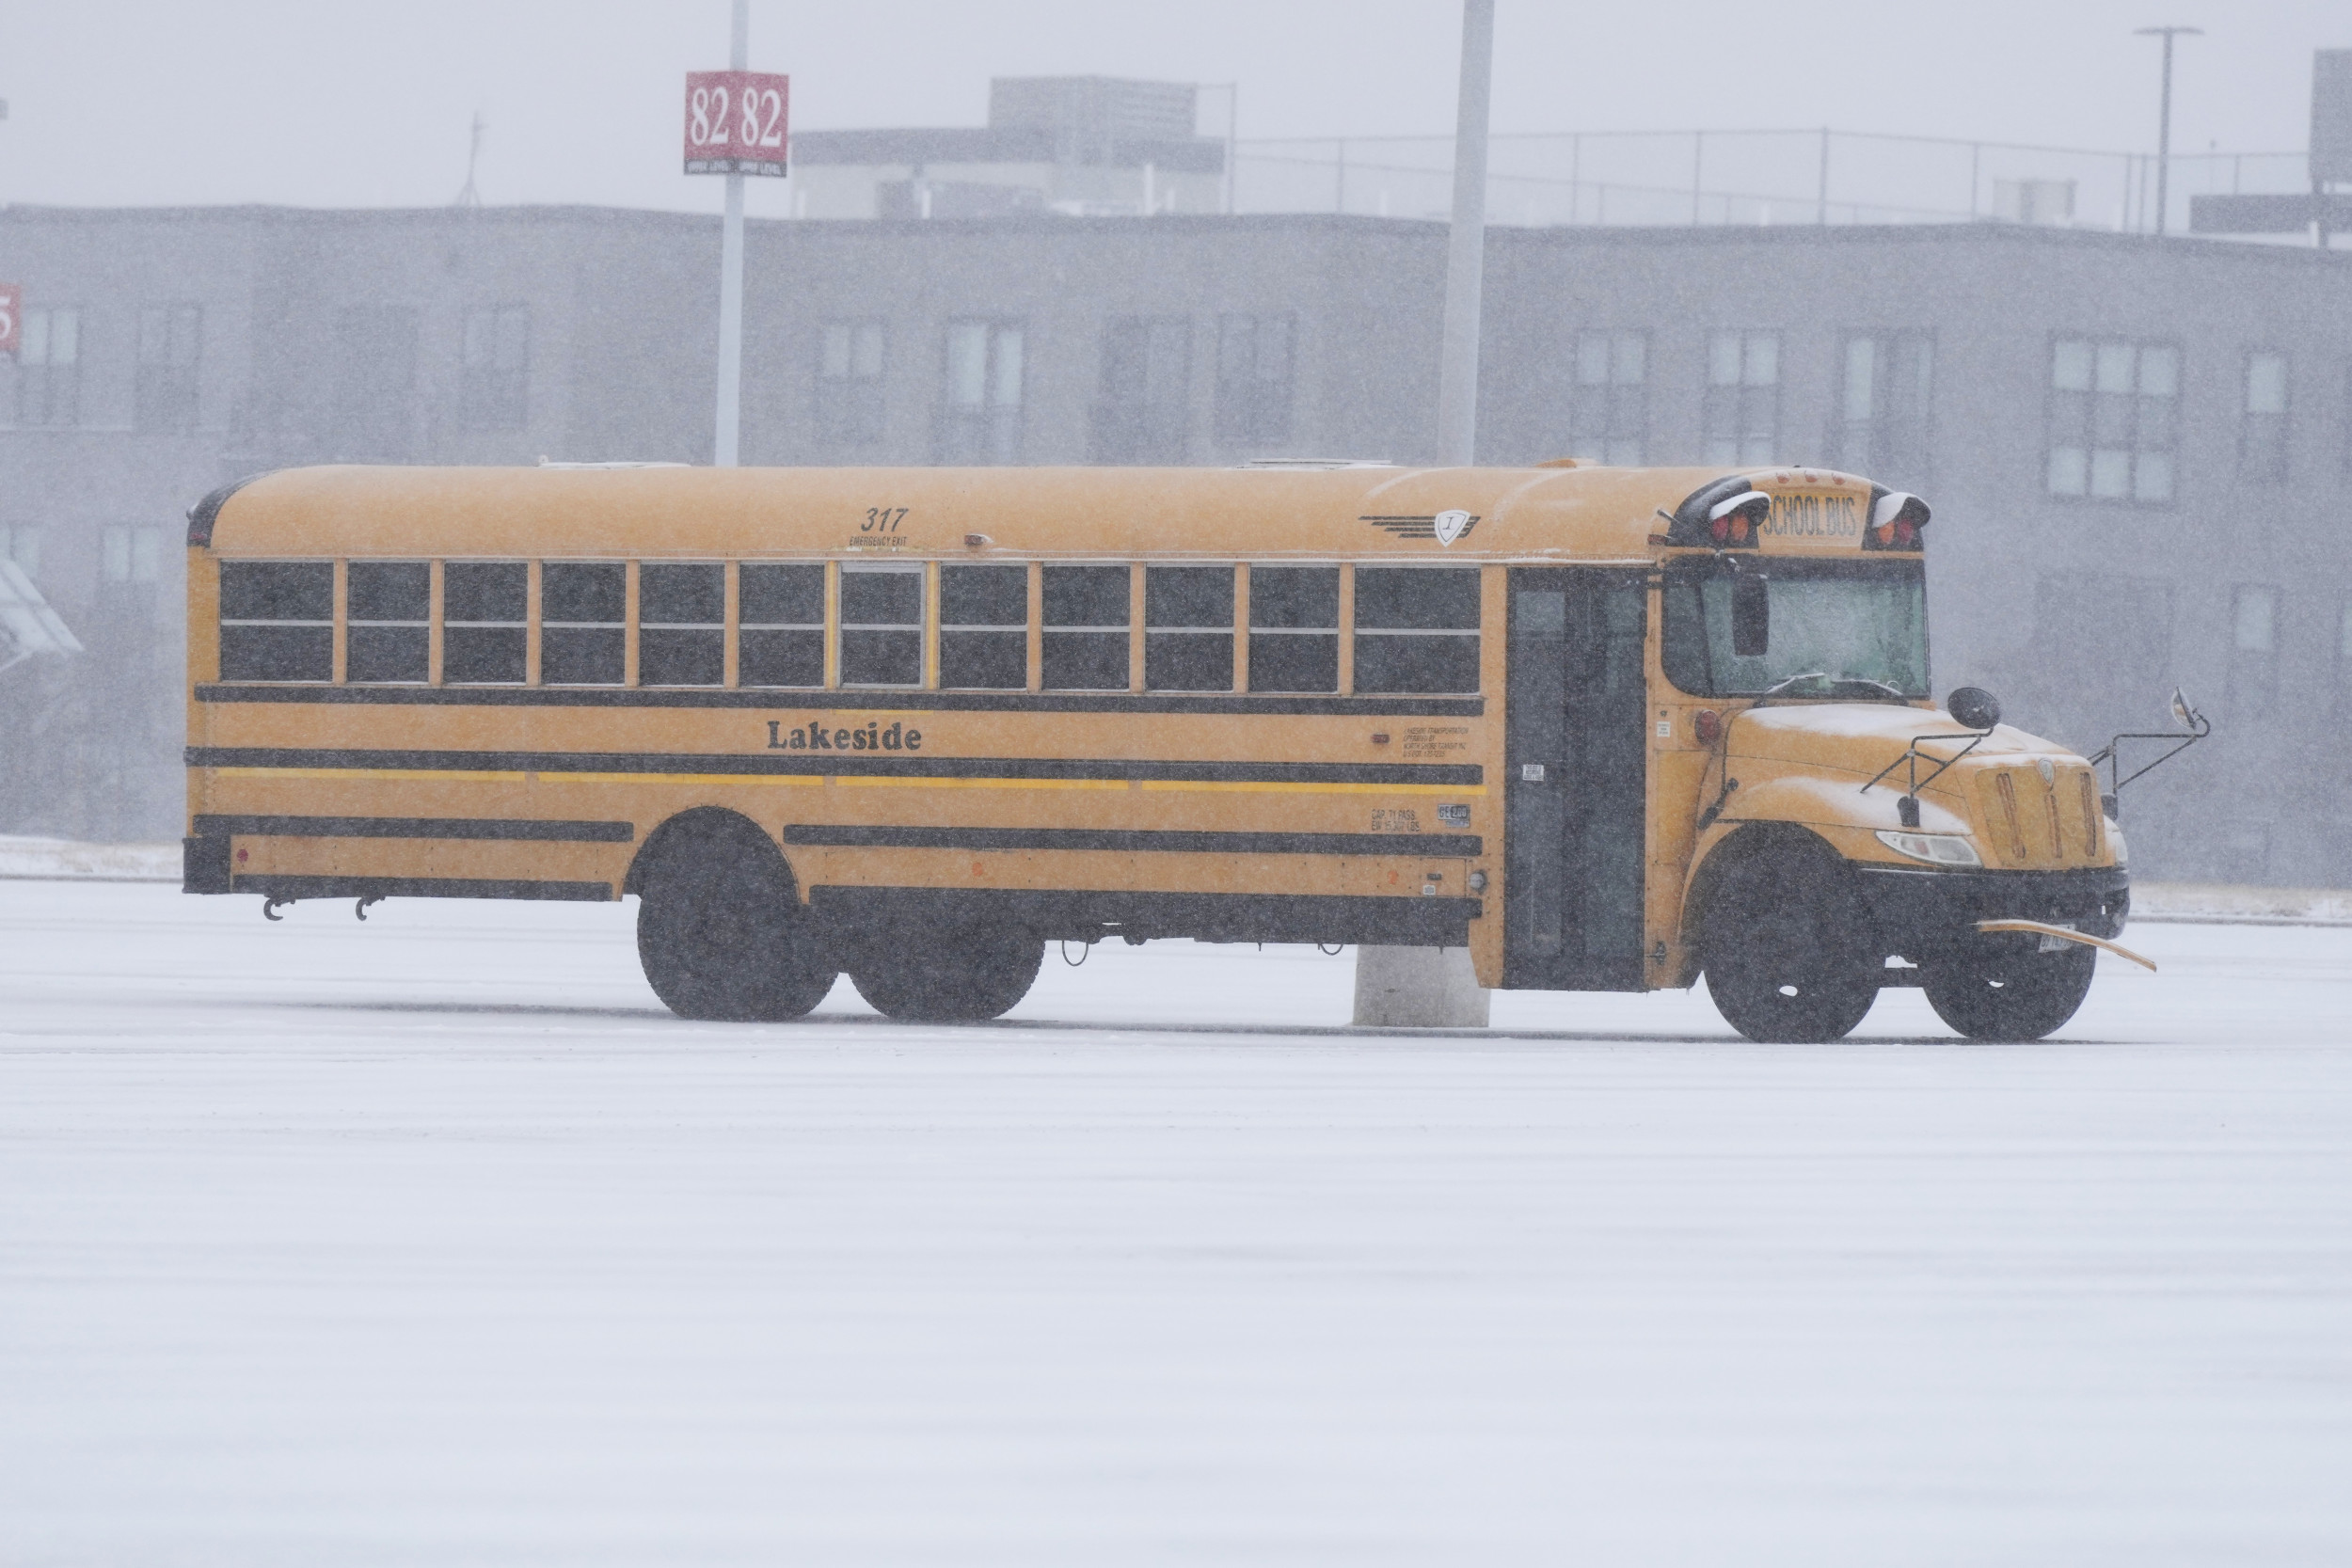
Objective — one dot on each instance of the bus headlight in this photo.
(1934, 848)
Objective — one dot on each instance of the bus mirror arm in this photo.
(2196, 727)
(1907, 808)
(1707, 817)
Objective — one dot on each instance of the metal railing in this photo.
(1816, 175)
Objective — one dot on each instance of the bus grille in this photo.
(2030, 823)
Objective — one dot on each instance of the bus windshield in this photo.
(1844, 629)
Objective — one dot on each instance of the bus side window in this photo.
(1188, 628)
(1416, 628)
(583, 613)
(881, 625)
(484, 622)
(1294, 628)
(389, 637)
(984, 627)
(1088, 612)
(780, 636)
(681, 624)
(276, 620)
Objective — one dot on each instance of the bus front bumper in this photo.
(1916, 910)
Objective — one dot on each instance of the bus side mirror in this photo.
(1751, 617)
(1973, 707)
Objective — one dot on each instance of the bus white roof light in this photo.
(1897, 517)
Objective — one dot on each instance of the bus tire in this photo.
(721, 932)
(1783, 946)
(960, 975)
(2007, 990)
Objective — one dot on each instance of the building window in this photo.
(1254, 372)
(1882, 425)
(1416, 628)
(1142, 414)
(21, 543)
(2253, 650)
(681, 624)
(1742, 413)
(1085, 642)
(780, 625)
(984, 627)
(375, 381)
(131, 554)
(276, 620)
(484, 623)
(981, 421)
(881, 625)
(848, 401)
(2262, 442)
(1188, 628)
(49, 365)
(2113, 408)
(496, 391)
(2347, 419)
(2344, 656)
(1294, 628)
(583, 622)
(1609, 420)
(171, 341)
(388, 635)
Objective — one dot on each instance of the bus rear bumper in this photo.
(1912, 910)
(204, 863)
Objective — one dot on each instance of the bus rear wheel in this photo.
(954, 974)
(719, 927)
(2005, 989)
(1783, 951)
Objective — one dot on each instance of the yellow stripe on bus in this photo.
(1321, 788)
(859, 780)
(812, 780)
(391, 774)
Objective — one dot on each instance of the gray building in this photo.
(2136, 447)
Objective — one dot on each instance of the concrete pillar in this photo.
(1419, 988)
(1434, 987)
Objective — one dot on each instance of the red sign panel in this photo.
(11, 307)
(735, 121)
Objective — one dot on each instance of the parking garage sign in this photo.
(735, 122)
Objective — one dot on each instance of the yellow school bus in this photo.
(1609, 729)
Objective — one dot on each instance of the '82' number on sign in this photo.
(717, 118)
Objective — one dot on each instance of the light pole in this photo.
(2164, 113)
(731, 275)
(1438, 986)
(1232, 118)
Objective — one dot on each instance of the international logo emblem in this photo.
(1445, 528)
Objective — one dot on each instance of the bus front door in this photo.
(1574, 781)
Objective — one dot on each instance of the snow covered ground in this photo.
(433, 1240)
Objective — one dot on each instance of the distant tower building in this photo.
(1078, 145)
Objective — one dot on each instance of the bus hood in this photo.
(1863, 738)
(2028, 803)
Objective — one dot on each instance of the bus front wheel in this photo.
(719, 927)
(1783, 948)
(955, 974)
(2006, 989)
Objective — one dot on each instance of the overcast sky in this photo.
(325, 103)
